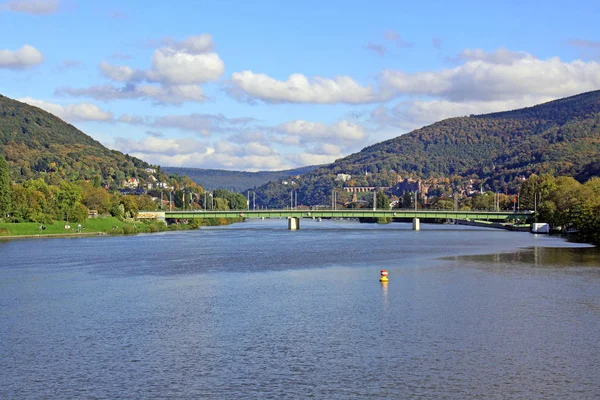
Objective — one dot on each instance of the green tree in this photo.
(383, 202)
(5, 188)
(95, 198)
(68, 197)
(238, 202)
(221, 204)
(130, 204)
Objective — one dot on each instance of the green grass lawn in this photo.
(102, 224)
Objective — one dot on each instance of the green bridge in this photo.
(293, 216)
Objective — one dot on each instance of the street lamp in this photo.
(375, 199)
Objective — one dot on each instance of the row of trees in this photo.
(37, 201)
(565, 204)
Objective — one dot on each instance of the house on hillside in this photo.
(130, 183)
(343, 177)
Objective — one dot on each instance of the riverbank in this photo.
(100, 226)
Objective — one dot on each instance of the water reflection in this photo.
(539, 257)
(384, 294)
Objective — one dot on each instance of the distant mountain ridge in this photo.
(37, 143)
(236, 181)
(561, 137)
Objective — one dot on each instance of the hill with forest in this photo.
(38, 144)
(235, 181)
(561, 137)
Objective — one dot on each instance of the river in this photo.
(255, 311)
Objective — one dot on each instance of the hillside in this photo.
(236, 181)
(561, 137)
(37, 143)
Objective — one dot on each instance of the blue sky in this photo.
(268, 85)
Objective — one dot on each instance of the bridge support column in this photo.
(416, 224)
(293, 223)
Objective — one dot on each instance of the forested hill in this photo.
(561, 137)
(236, 181)
(37, 143)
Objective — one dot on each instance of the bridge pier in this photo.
(293, 223)
(416, 226)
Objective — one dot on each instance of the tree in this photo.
(5, 188)
(383, 202)
(68, 197)
(238, 202)
(221, 204)
(95, 198)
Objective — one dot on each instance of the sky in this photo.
(271, 85)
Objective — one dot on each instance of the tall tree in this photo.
(68, 197)
(5, 195)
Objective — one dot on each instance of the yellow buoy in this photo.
(384, 276)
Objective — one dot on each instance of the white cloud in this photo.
(259, 149)
(25, 57)
(245, 150)
(501, 56)
(160, 94)
(31, 6)
(193, 44)
(176, 94)
(317, 131)
(178, 67)
(174, 77)
(298, 88)
(71, 112)
(328, 149)
(500, 75)
(203, 124)
(190, 152)
(247, 163)
(119, 73)
(152, 145)
(248, 137)
(131, 119)
(302, 159)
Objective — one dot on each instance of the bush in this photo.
(129, 229)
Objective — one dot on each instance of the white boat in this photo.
(540, 228)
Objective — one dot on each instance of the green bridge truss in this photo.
(357, 213)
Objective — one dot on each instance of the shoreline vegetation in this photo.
(103, 225)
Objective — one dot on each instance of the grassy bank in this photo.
(108, 225)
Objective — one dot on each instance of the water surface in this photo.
(253, 310)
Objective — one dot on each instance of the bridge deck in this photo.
(358, 213)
